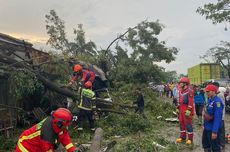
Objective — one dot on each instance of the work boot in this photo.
(180, 140)
(188, 142)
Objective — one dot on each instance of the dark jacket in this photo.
(140, 100)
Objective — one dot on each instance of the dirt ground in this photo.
(173, 133)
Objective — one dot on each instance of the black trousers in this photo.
(140, 110)
(199, 109)
(208, 143)
(222, 135)
(86, 114)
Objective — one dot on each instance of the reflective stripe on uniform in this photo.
(69, 146)
(31, 136)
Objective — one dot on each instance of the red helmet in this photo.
(184, 80)
(211, 87)
(77, 68)
(88, 84)
(62, 117)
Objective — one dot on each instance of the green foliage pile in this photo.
(138, 133)
(24, 83)
(132, 131)
(6, 144)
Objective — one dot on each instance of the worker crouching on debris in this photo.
(44, 136)
(185, 111)
(212, 120)
(86, 106)
(83, 74)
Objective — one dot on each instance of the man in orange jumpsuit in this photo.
(43, 136)
(84, 74)
(186, 111)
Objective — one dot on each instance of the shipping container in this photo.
(202, 72)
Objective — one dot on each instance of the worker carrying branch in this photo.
(43, 136)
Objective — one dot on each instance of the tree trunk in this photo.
(96, 142)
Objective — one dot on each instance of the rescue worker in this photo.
(212, 120)
(84, 75)
(185, 111)
(43, 136)
(140, 102)
(86, 106)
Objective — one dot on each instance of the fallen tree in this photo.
(102, 104)
(52, 86)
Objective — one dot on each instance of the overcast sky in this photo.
(103, 19)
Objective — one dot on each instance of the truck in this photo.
(204, 72)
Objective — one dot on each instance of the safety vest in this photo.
(86, 99)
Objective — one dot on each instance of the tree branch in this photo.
(122, 35)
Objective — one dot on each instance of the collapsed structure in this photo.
(21, 54)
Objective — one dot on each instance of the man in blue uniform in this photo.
(212, 120)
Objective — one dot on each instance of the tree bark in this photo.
(96, 142)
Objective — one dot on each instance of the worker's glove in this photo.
(80, 84)
(187, 113)
(75, 118)
(177, 111)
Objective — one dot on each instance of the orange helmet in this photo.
(211, 87)
(88, 84)
(62, 117)
(184, 80)
(77, 68)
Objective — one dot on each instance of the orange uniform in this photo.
(186, 102)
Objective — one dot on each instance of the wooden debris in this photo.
(39, 113)
(109, 146)
(158, 145)
(172, 119)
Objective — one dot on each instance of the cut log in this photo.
(96, 142)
